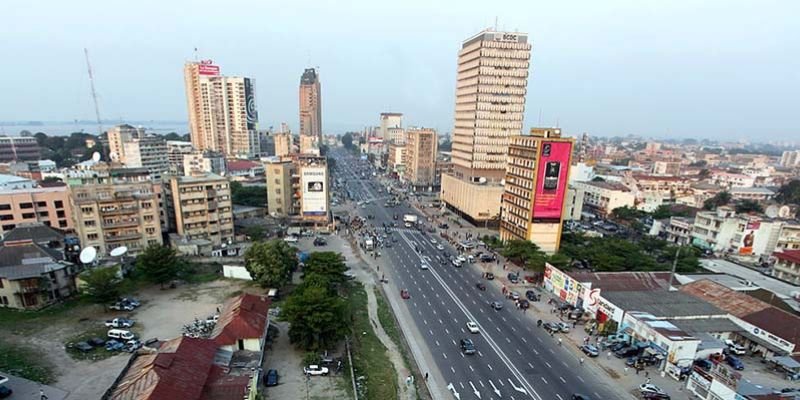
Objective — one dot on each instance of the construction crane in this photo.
(94, 93)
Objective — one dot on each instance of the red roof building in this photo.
(242, 323)
(787, 267)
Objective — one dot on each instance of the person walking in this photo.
(426, 376)
(581, 360)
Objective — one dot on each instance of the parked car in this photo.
(472, 327)
(497, 305)
(563, 327)
(531, 295)
(271, 378)
(523, 304)
(467, 347)
(590, 350)
(489, 276)
(5, 392)
(119, 323)
(320, 242)
(290, 239)
(121, 334)
(551, 327)
(735, 348)
(512, 277)
(423, 266)
(704, 364)
(131, 301)
(315, 370)
(83, 347)
(650, 388)
(113, 345)
(655, 396)
(96, 342)
(735, 362)
(118, 306)
(513, 295)
(626, 352)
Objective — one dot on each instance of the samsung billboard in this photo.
(314, 181)
(551, 180)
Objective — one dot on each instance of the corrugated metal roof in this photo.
(731, 301)
(623, 281)
(242, 317)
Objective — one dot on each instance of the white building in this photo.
(147, 152)
(176, 149)
(601, 198)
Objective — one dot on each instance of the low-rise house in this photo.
(787, 266)
(243, 323)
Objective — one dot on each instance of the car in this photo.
(461, 259)
(129, 300)
(489, 276)
(472, 327)
(617, 346)
(118, 306)
(480, 286)
(512, 277)
(578, 396)
(551, 327)
(467, 347)
(433, 241)
(497, 305)
(315, 370)
(423, 266)
(513, 295)
(704, 364)
(626, 352)
(83, 347)
(404, 294)
(119, 323)
(132, 345)
(531, 295)
(523, 304)
(320, 242)
(486, 257)
(113, 345)
(590, 350)
(650, 388)
(563, 327)
(735, 362)
(735, 348)
(271, 378)
(439, 247)
(5, 392)
(96, 342)
(290, 239)
(655, 396)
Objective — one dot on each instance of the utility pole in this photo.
(674, 266)
(94, 93)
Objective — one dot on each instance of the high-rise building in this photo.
(149, 152)
(420, 158)
(537, 174)
(790, 158)
(222, 111)
(283, 144)
(201, 208)
(19, 149)
(175, 151)
(314, 188)
(282, 201)
(491, 86)
(118, 136)
(310, 104)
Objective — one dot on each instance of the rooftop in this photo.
(751, 190)
(736, 303)
(36, 232)
(242, 317)
(664, 305)
(781, 289)
(623, 281)
(792, 256)
(608, 185)
(241, 165)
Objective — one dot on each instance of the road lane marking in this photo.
(518, 352)
(544, 380)
(523, 339)
(530, 365)
(580, 379)
(548, 364)
(562, 379)
(445, 355)
(559, 396)
(490, 367)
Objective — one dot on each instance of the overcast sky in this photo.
(717, 69)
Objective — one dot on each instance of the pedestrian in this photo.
(647, 381)
(559, 341)
(581, 360)
(626, 371)
(608, 355)
(636, 368)
(647, 374)
(574, 324)
(42, 396)
(426, 376)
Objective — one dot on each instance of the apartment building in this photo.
(200, 162)
(787, 266)
(282, 200)
(150, 152)
(729, 180)
(491, 85)
(602, 197)
(25, 201)
(120, 207)
(420, 158)
(790, 159)
(391, 128)
(396, 161)
(201, 208)
(535, 188)
(757, 194)
(283, 144)
(789, 236)
(309, 145)
(118, 136)
(19, 149)
(222, 111)
(669, 168)
(175, 151)
(679, 230)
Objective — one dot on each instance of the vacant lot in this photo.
(162, 314)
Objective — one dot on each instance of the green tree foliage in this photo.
(317, 317)
(254, 196)
(748, 206)
(704, 173)
(719, 199)
(160, 264)
(270, 263)
(101, 284)
(789, 193)
(327, 264)
(616, 254)
(699, 163)
(176, 137)
(347, 140)
(528, 254)
(67, 150)
(627, 214)
(598, 179)
(255, 232)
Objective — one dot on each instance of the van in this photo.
(121, 334)
(272, 294)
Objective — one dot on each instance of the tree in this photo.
(524, 253)
(789, 193)
(101, 285)
(446, 145)
(160, 264)
(719, 199)
(51, 179)
(704, 173)
(598, 179)
(327, 264)
(254, 232)
(347, 140)
(748, 206)
(699, 163)
(317, 319)
(270, 263)
(627, 214)
(254, 196)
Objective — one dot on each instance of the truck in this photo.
(410, 220)
(369, 244)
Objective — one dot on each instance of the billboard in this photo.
(207, 67)
(551, 180)
(250, 100)
(749, 237)
(314, 182)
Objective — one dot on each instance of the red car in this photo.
(404, 294)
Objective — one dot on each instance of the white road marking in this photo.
(580, 379)
(490, 367)
(544, 380)
(445, 355)
(548, 364)
(562, 379)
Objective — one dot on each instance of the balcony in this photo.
(120, 210)
(29, 289)
(123, 236)
(121, 224)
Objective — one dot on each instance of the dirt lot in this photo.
(162, 314)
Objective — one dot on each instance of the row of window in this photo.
(26, 206)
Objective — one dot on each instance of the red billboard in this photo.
(551, 180)
(207, 67)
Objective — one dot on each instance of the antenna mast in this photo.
(94, 93)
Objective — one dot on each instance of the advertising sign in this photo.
(551, 180)
(207, 67)
(749, 237)
(315, 191)
(250, 99)
(562, 285)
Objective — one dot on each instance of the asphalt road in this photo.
(515, 359)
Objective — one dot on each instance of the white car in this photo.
(472, 327)
(735, 348)
(315, 370)
(290, 239)
(433, 241)
(423, 266)
(439, 247)
(650, 388)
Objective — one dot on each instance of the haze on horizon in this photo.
(711, 69)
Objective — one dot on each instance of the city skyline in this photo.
(595, 69)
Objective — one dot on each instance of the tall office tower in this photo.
(310, 104)
(536, 179)
(420, 157)
(490, 102)
(222, 111)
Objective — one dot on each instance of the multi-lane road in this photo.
(514, 360)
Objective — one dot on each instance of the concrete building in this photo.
(391, 128)
(535, 188)
(396, 161)
(491, 86)
(309, 145)
(729, 180)
(789, 236)
(283, 144)
(282, 201)
(314, 186)
(668, 168)
(420, 158)
(222, 111)
(200, 162)
(175, 152)
(148, 152)
(573, 204)
(120, 208)
(679, 230)
(118, 136)
(790, 158)
(741, 235)
(310, 104)
(787, 266)
(244, 169)
(757, 194)
(602, 197)
(19, 149)
(24, 201)
(201, 208)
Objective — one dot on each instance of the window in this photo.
(25, 205)
(150, 231)
(5, 206)
(47, 223)
(148, 218)
(4, 300)
(1, 283)
(44, 214)
(89, 223)
(59, 204)
(6, 217)
(41, 204)
(147, 204)
(87, 210)
(92, 236)
(62, 223)
(28, 215)
(7, 228)
(60, 214)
